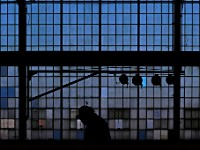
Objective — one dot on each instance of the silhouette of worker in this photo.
(96, 128)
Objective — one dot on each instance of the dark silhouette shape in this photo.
(156, 80)
(170, 79)
(137, 80)
(123, 79)
(97, 133)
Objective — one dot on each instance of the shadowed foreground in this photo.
(116, 144)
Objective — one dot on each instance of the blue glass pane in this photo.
(7, 92)
(4, 92)
(56, 134)
(142, 135)
(144, 81)
(4, 103)
(11, 92)
(3, 71)
(35, 103)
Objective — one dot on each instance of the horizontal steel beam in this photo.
(105, 71)
(100, 58)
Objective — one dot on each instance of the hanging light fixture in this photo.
(156, 80)
(123, 79)
(137, 80)
(170, 79)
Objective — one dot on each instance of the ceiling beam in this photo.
(100, 58)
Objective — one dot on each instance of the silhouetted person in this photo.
(97, 133)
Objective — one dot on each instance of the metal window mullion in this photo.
(184, 101)
(177, 68)
(138, 49)
(129, 123)
(123, 24)
(146, 27)
(7, 41)
(146, 74)
(31, 26)
(76, 30)
(22, 71)
(15, 24)
(0, 28)
(192, 29)
(192, 99)
(115, 92)
(153, 99)
(91, 26)
(100, 49)
(69, 99)
(199, 30)
(53, 27)
(168, 106)
(160, 106)
(199, 104)
(84, 22)
(129, 107)
(46, 31)
(161, 25)
(154, 24)
(53, 98)
(61, 71)
(15, 106)
(116, 26)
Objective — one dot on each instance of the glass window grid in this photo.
(189, 36)
(119, 104)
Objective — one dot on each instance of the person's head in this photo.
(85, 114)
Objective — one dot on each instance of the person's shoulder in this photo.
(100, 119)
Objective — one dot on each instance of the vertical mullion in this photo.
(130, 34)
(61, 70)
(130, 118)
(160, 101)
(69, 96)
(116, 26)
(199, 98)
(153, 99)
(84, 21)
(38, 28)
(192, 99)
(168, 105)
(114, 110)
(138, 49)
(53, 98)
(22, 71)
(91, 28)
(123, 24)
(177, 68)
(1, 26)
(38, 90)
(53, 11)
(154, 25)
(129, 123)
(76, 30)
(7, 45)
(184, 101)
(192, 33)
(146, 92)
(199, 30)
(15, 36)
(146, 24)
(100, 49)
(46, 32)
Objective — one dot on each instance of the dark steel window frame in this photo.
(23, 59)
